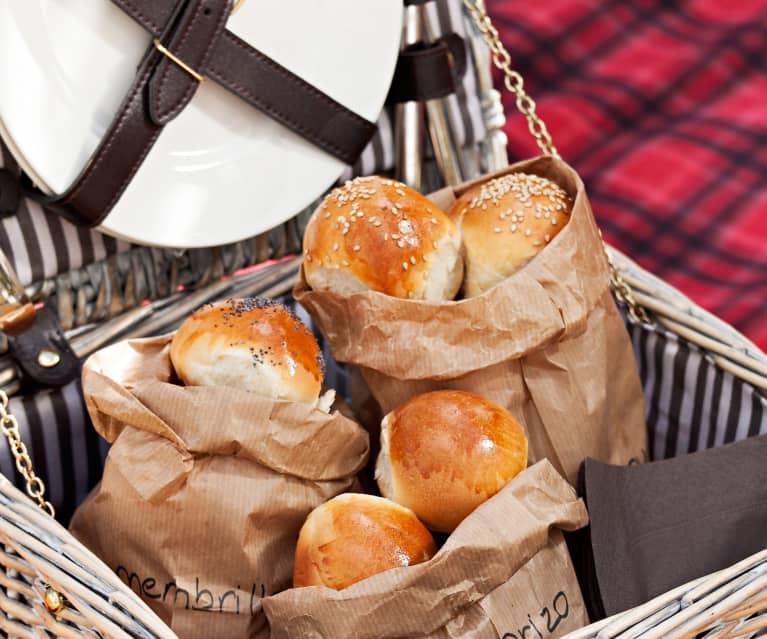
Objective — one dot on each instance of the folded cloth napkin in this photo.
(659, 525)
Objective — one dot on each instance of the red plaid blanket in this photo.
(662, 108)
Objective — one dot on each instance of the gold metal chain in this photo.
(511, 78)
(526, 105)
(10, 427)
(624, 293)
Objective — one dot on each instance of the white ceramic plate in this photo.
(221, 171)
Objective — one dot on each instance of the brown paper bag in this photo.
(548, 343)
(503, 573)
(205, 488)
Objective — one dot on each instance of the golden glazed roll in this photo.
(354, 536)
(253, 344)
(378, 234)
(444, 453)
(504, 223)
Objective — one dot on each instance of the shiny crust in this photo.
(445, 452)
(254, 344)
(354, 536)
(504, 223)
(386, 237)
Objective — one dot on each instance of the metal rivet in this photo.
(53, 600)
(48, 358)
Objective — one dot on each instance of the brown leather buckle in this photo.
(177, 61)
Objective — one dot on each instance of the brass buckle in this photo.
(236, 4)
(178, 61)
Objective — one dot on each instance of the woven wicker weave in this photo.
(37, 554)
(728, 603)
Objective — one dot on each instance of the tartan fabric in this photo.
(661, 106)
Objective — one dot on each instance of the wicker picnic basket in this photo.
(51, 586)
(44, 567)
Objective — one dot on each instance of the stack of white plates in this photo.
(221, 171)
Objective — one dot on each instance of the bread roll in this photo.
(504, 223)
(354, 536)
(253, 344)
(378, 234)
(444, 453)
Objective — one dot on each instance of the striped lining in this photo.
(691, 403)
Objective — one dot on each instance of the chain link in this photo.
(511, 79)
(10, 428)
(624, 293)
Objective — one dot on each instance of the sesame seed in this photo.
(528, 233)
(412, 259)
(308, 258)
(404, 265)
(497, 229)
(547, 237)
(537, 243)
(553, 221)
(345, 263)
(356, 247)
(335, 246)
(434, 243)
(434, 221)
(401, 243)
(513, 228)
(395, 236)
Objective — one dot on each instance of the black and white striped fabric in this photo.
(691, 403)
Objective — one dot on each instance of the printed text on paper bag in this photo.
(202, 599)
(545, 622)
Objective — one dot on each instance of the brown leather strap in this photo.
(270, 87)
(193, 31)
(195, 26)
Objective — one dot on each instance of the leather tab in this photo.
(42, 353)
(193, 39)
(427, 72)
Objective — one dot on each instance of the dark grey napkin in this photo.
(656, 526)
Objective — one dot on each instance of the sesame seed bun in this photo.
(378, 234)
(354, 536)
(504, 223)
(253, 344)
(444, 453)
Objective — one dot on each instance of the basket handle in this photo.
(515, 84)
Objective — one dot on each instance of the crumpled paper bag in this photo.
(547, 343)
(205, 488)
(504, 573)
